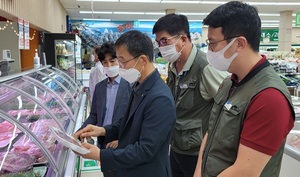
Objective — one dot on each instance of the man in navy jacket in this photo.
(144, 133)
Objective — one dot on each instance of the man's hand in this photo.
(89, 131)
(94, 152)
(113, 144)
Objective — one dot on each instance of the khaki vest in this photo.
(192, 109)
(226, 121)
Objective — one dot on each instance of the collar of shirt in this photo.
(138, 85)
(234, 77)
(117, 80)
(188, 63)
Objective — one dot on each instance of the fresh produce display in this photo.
(289, 81)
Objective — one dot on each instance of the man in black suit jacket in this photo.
(144, 133)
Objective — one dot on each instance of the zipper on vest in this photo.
(205, 153)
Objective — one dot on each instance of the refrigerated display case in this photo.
(63, 51)
(30, 103)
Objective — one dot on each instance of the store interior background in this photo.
(104, 20)
(51, 16)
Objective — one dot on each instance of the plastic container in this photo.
(36, 60)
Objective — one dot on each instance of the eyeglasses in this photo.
(126, 61)
(208, 43)
(164, 41)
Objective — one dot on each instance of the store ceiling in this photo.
(132, 10)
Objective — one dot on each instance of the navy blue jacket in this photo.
(144, 133)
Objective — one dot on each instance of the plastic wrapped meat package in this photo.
(15, 162)
(6, 133)
(293, 139)
(41, 130)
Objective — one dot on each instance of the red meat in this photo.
(16, 162)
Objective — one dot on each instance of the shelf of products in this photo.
(30, 103)
(63, 51)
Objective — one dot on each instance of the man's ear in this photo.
(242, 43)
(144, 59)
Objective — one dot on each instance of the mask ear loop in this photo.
(136, 62)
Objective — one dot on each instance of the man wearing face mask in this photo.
(145, 131)
(111, 97)
(97, 74)
(253, 111)
(193, 83)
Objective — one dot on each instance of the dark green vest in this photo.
(226, 121)
(192, 109)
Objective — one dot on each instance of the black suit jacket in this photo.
(144, 133)
(98, 108)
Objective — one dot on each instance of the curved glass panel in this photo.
(57, 87)
(66, 80)
(44, 102)
(24, 145)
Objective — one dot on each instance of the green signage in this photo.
(298, 19)
(272, 34)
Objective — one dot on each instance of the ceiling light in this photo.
(143, 1)
(213, 2)
(270, 21)
(181, 2)
(101, 0)
(95, 12)
(96, 19)
(149, 20)
(270, 15)
(130, 13)
(155, 13)
(193, 13)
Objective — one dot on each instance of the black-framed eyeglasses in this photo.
(208, 43)
(164, 41)
(126, 61)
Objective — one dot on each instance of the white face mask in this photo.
(131, 75)
(217, 59)
(170, 53)
(111, 71)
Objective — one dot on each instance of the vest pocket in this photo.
(188, 136)
(229, 123)
(215, 166)
(186, 95)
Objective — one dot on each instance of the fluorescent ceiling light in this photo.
(101, 0)
(96, 19)
(213, 2)
(269, 15)
(130, 13)
(270, 21)
(95, 12)
(141, 1)
(181, 2)
(149, 20)
(192, 13)
(155, 13)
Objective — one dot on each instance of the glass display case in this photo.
(63, 51)
(31, 103)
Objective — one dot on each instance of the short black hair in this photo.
(237, 19)
(137, 43)
(106, 48)
(173, 24)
